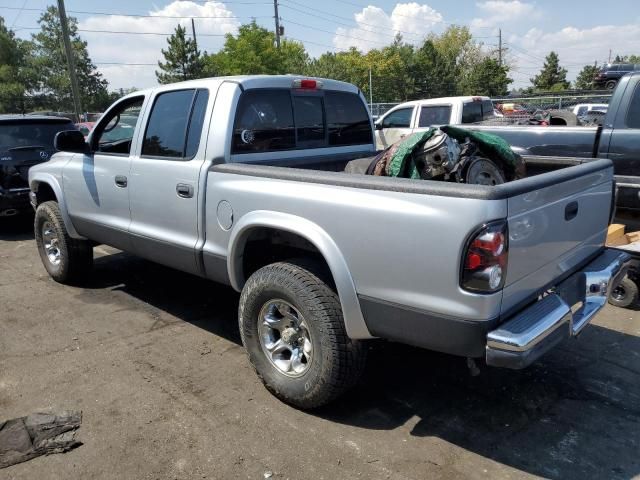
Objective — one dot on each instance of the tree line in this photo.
(34, 74)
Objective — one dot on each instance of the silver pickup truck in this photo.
(240, 180)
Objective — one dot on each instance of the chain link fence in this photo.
(520, 109)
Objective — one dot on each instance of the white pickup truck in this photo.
(240, 180)
(418, 115)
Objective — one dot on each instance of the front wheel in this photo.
(611, 84)
(66, 259)
(292, 329)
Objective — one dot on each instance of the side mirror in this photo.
(378, 126)
(70, 141)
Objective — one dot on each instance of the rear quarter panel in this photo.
(402, 248)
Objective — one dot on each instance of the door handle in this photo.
(184, 190)
(570, 211)
(121, 181)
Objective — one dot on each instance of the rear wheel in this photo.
(292, 329)
(625, 294)
(67, 260)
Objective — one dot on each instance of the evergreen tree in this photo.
(50, 69)
(584, 80)
(552, 76)
(486, 77)
(182, 59)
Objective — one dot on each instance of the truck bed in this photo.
(370, 218)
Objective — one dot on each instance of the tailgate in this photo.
(555, 226)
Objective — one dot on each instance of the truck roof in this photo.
(255, 81)
(441, 100)
(12, 118)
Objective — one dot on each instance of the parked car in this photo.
(24, 141)
(419, 115)
(582, 109)
(85, 127)
(610, 74)
(239, 180)
(617, 138)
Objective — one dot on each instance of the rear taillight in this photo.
(484, 263)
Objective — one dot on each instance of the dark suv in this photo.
(24, 141)
(610, 73)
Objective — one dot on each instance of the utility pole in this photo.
(277, 17)
(500, 46)
(609, 55)
(193, 31)
(370, 91)
(75, 92)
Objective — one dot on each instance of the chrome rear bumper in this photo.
(531, 333)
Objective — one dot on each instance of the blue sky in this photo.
(580, 31)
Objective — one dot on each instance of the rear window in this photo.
(477, 111)
(434, 115)
(309, 121)
(472, 112)
(31, 134)
(487, 109)
(347, 119)
(280, 119)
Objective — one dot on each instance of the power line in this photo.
(133, 15)
(357, 24)
(20, 10)
(337, 34)
(128, 33)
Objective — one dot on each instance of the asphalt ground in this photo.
(153, 359)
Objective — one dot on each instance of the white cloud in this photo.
(501, 12)
(575, 47)
(105, 47)
(376, 28)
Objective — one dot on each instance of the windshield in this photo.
(30, 134)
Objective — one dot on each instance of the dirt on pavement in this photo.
(153, 359)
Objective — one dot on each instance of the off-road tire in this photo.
(625, 294)
(338, 361)
(76, 256)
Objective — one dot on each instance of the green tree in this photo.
(434, 73)
(584, 80)
(182, 59)
(50, 69)
(12, 89)
(552, 76)
(487, 77)
(253, 51)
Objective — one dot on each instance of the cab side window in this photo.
(175, 124)
(434, 115)
(114, 133)
(398, 119)
(633, 114)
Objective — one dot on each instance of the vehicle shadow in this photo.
(574, 415)
(19, 227)
(205, 304)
